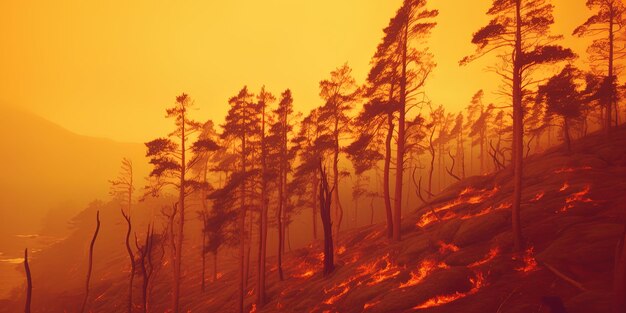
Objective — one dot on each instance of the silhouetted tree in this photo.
(563, 99)
(90, 263)
(339, 92)
(169, 156)
(325, 201)
(29, 282)
(243, 125)
(123, 188)
(605, 26)
(412, 23)
(520, 31)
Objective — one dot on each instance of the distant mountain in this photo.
(49, 174)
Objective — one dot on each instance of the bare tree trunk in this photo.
(29, 282)
(432, 163)
(566, 135)
(397, 214)
(386, 172)
(518, 133)
(131, 256)
(613, 98)
(215, 266)
(325, 201)
(93, 241)
(314, 209)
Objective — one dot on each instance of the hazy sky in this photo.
(109, 68)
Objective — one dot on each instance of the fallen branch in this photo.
(93, 241)
(29, 282)
(564, 277)
(452, 168)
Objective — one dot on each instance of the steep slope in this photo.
(456, 255)
(49, 174)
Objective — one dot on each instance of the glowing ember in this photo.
(341, 250)
(576, 197)
(493, 253)
(219, 275)
(306, 274)
(338, 296)
(572, 169)
(251, 292)
(477, 283)
(370, 304)
(564, 187)
(253, 308)
(447, 247)
(467, 196)
(538, 196)
(424, 269)
(379, 275)
(530, 264)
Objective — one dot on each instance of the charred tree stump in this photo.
(29, 282)
(325, 200)
(93, 242)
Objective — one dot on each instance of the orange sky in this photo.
(109, 68)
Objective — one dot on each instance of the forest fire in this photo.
(538, 196)
(371, 304)
(576, 197)
(530, 264)
(477, 282)
(468, 195)
(572, 169)
(379, 275)
(423, 270)
(493, 253)
(447, 247)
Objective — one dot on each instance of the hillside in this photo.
(456, 254)
(49, 175)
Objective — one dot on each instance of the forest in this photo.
(378, 199)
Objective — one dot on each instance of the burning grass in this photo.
(477, 282)
(576, 197)
(468, 195)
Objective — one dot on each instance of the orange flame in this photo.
(564, 187)
(447, 247)
(466, 196)
(477, 283)
(538, 196)
(493, 253)
(370, 304)
(253, 308)
(424, 269)
(341, 250)
(530, 264)
(576, 197)
(571, 169)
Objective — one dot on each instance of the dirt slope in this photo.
(455, 255)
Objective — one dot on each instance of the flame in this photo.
(336, 297)
(477, 283)
(341, 250)
(576, 197)
(564, 187)
(487, 210)
(378, 276)
(538, 196)
(447, 247)
(466, 196)
(424, 269)
(371, 304)
(493, 253)
(572, 169)
(306, 274)
(253, 308)
(530, 264)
